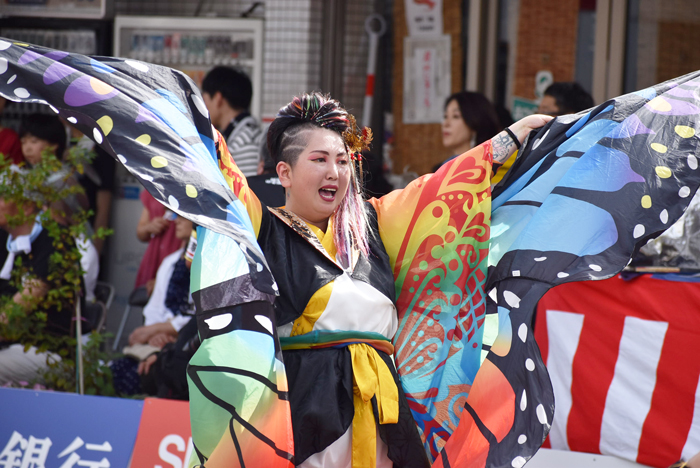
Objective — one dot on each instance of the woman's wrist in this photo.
(143, 233)
(506, 142)
(521, 129)
(516, 140)
(503, 146)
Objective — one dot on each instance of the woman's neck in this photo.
(322, 225)
(463, 148)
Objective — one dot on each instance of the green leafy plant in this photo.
(62, 375)
(50, 187)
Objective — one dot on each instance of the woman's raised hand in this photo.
(524, 126)
(505, 144)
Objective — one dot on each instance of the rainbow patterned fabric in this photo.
(436, 232)
(469, 265)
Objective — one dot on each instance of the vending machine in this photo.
(194, 45)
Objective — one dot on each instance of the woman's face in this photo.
(456, 135)
(319, 179)
(32, 147)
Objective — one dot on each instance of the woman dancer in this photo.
(326, 250)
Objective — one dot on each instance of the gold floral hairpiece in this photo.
(357, 140)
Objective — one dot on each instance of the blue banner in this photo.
(65, 430)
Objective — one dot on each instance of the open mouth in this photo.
(327, 194)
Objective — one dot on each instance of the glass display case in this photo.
(194, 45)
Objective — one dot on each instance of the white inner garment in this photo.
(357, 306)
(339, 454)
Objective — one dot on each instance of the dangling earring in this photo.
(357, 174)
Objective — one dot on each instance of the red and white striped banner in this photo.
(624, 360)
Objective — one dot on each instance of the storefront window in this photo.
(662, 41)
(585, 44)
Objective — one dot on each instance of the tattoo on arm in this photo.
(503, 146)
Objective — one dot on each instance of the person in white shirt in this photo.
(161, 325)
(227, 93)
(162, 321)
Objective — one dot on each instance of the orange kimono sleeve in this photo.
(237, 182)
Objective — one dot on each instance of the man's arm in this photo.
(142, 335)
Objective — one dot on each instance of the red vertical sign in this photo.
(164, 438)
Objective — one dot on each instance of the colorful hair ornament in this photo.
(318, 109)
(357, 140)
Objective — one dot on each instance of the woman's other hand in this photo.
(524, 126)
(145, 365)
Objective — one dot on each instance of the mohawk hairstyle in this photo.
(314, 109)
(287, 137)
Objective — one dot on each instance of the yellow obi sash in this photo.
(371, 378)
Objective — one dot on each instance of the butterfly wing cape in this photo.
(587, 191)
(153, 120)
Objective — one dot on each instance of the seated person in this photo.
(34, 246)
(155, 226)
(227, 93)
(164, 374)
(163, 316)
(41, 133)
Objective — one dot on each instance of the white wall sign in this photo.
(424, 17)
(427, 81)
